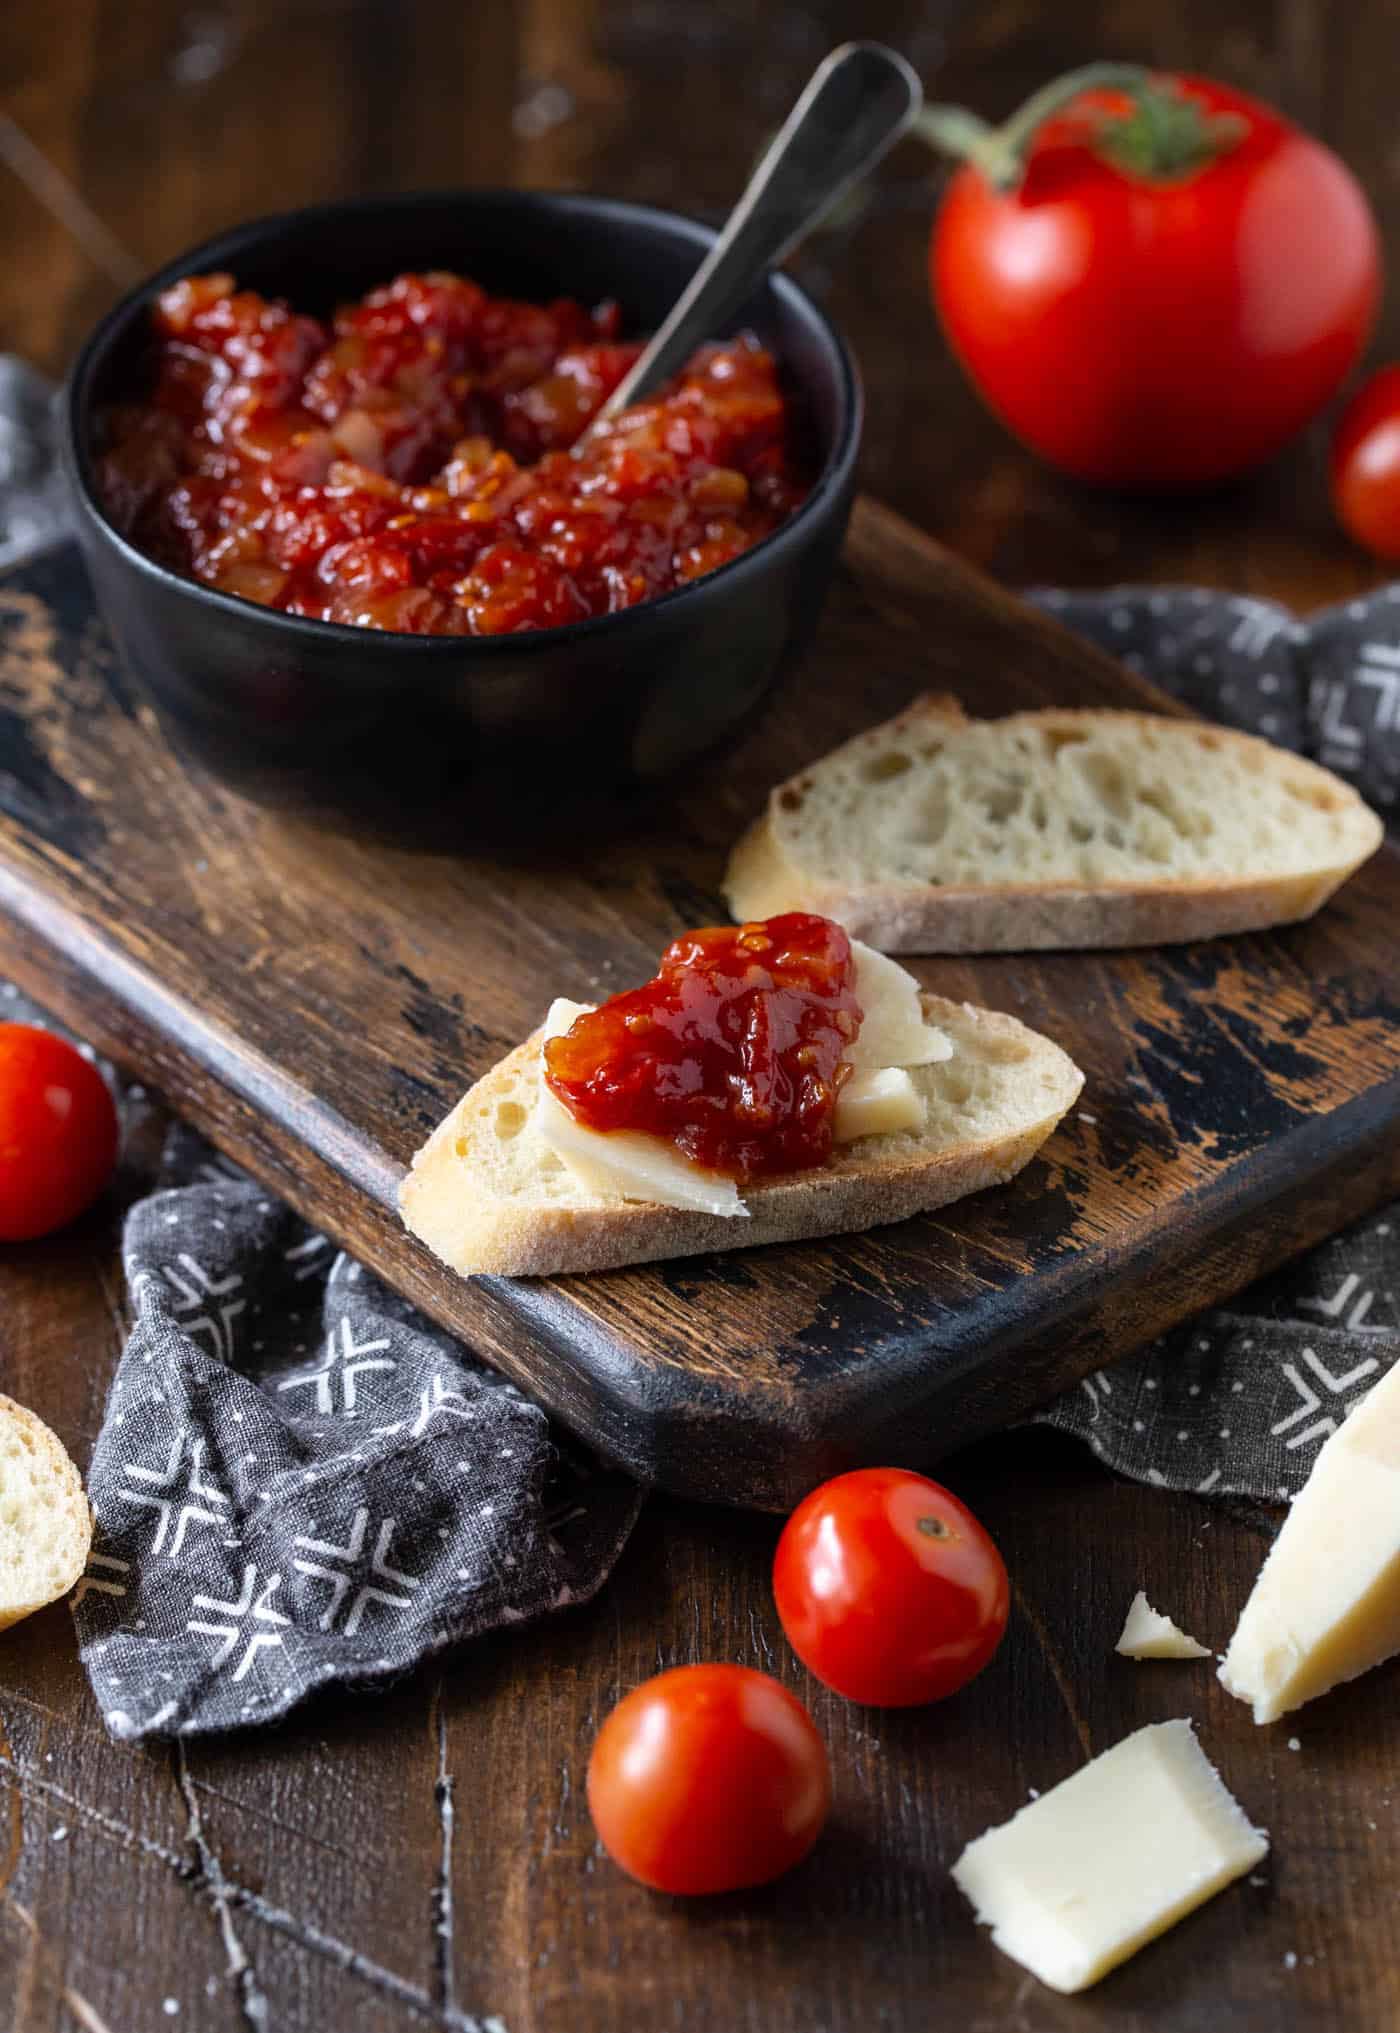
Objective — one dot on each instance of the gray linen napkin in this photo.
(301, 1482)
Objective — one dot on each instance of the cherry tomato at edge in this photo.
(58, 1132)
(1147, 319)
(707, 1779)
(1366, 465)
(888, 1588)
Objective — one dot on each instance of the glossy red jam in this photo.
(734, 1053)
(407, 466)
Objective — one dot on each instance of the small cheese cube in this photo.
(878, 1103)
(1113, 1856)
(1147, 1634)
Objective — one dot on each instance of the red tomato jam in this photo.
(407, 467)
(734, 1053)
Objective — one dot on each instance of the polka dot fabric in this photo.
(300, 1482)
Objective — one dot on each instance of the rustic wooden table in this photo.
(425, 1857)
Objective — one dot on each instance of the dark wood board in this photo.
(316, 997)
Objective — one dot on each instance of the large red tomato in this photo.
(1157, 286)
(888, 1588)
(708, 1778)
(58, 1132)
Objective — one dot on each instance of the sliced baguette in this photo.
(45, 1522)
(938, 834)
(488, 1195)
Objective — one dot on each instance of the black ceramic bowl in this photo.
(619, 699)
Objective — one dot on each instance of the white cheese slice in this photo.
(1147, 1634)
(878, 1103)
(1112, 1857)
(1326, 1605)
(626, 1164)
(893, 1031)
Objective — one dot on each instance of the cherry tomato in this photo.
(889, 1589)
(58, 1132)
(1154, 287)
(708, 1778)
(1366, 465)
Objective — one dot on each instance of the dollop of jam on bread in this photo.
(735, 1052)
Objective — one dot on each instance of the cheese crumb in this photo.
(1147, 1634)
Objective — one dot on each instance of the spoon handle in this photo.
(859, 101)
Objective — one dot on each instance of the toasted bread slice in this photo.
(488, 1195)
(939, 834)
(45, 1522)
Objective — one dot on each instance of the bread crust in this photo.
(68, 1500)
(763, 879)
(858, 1188)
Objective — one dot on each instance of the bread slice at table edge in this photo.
(906, 915)
(57, 1542)
(446, 1198)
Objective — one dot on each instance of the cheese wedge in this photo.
(1112, 1857)
(1147, 1634)
(893, 1029)
(1326, 1605)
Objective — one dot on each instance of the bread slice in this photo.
(939, 834)
(488, 1195)
(45, 1522)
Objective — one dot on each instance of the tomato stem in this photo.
(1165, 134)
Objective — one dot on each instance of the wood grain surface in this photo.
(304, 1871)
(1242, 1096)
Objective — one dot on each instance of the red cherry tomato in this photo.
(708, 1778)
(1178, 281)
(58, 1132)
(1366, 465)
(889, 1589)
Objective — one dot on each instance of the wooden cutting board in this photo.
(315, 999)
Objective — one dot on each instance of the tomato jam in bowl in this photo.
(414, 463)
(325, 491)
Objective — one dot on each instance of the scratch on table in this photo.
(40, 1708)
(111, 1299)
(87, 2015)
(10, 1861)
(759, 1637)
(1057, 1672)
(369, 1861)
(31, 1785)
(345, 1958)
(242, 1976)
(53, 190)
(443, 1913)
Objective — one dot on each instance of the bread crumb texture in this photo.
(45, 1521)
(1084, 798)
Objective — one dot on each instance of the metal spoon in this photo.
(858, 103)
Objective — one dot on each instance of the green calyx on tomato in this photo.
(1136, 331)
(1163, 136)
